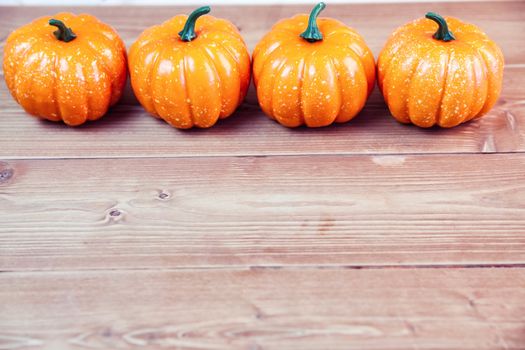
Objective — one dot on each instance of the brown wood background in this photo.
(129, 234)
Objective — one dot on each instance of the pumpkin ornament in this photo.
(312, 71)
(444, 77)
(65, 68)
(192, 78)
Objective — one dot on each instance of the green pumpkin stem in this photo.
(188, 32)
(63, 33)
(312, 32)
(443, 33)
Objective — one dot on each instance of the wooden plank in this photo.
(264, 309)
(129, 132)
(262, 211)
(374, 21)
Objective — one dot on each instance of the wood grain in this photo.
(129, 132)
(128, 234)
(263, 211)
(264, 309)
(503, 21)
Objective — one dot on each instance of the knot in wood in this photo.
(115, 212)
(163, 195)
(5, 174)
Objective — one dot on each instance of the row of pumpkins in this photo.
(193, 70)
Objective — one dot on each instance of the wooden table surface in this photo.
(128, 234)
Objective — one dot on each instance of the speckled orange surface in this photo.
(191, 83)
(71, 81)
(312, 83)
(426, 81)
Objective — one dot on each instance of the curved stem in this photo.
(443, 33)
(312, 32)
(63, 33)
(188, 32)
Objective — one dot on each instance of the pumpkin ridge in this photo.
(277, 77)
(386, 66)
(489, 87)
(205, 52)
(14, 89)
(177, 117)
(387, 70)
(296, 63)
(339, 89)
(262, 103)
(54, 93)
(308, 117)
(185, 75)
(102, 59)
(90, 94)
(17, 62)
(410, 88)
(25, 69)
(81, 113)
(269, 55)
(153, 71)
(486, 66)
(269, 58)
(366, 59)
(118, 46)
(58, 89)
(472, 112)
(30, 85)
(410, 76)
(51, 83)
(136, 50)
(59, 82)
(445, 81)
(278, 72)
(86, 94)
(485, 73)
(415, 94)
(465, 96)
(134, 55)
(338, 64)
(300, 89)
(470, 58)
(229, 52)
(238, 64)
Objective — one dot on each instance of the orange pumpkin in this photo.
(193, 78)
(317, 76)
(73, 73)
(444, 77)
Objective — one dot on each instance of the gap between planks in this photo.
(273, 267)
(279, 155)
